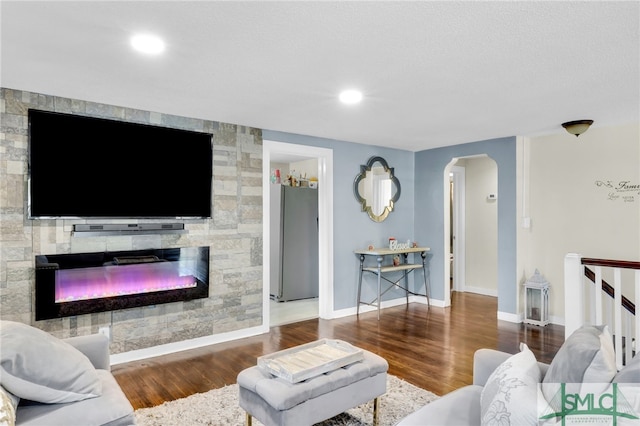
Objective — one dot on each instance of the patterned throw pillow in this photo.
(630, 373)
(510, 396)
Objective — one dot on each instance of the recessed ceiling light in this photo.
(147, 43)
(350, 96)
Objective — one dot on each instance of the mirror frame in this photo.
(363, 201)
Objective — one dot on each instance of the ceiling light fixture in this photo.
(147, 43)
(350, 97)
(577, 127)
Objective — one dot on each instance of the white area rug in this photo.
(220, 407)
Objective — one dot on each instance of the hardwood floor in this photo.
(430, 348)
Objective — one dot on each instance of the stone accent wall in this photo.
(234, 233)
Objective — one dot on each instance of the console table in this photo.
(382, 270)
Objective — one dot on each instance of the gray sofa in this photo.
(462, 406)
(516, 389)
(104, 402)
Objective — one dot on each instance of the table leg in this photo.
(375, 412)
(406, 278)
(380, 259)
(248, 419)
(424, 274)
(360, 284)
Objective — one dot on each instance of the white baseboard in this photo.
(186, 345)
(481, 290)
(422, 299)
(556, 320)
(366, 308)
(507, 316)
(518, 318)
(388, 304)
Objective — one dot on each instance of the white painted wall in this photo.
(570, 212)
(308, 168)
(481, 179)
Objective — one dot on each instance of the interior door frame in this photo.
(458, 226)
(325, 221)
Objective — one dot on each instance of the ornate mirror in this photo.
(376, 188)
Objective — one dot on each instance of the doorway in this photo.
(471, 226)
(278, 152)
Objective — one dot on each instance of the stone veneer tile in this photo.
(89, 245)
(12, 191)
(104, 111)
(118, 243)
(13, 123)
(70, 105)
(250, 228)
(14, 253)
(235, 272)
(137, 116)
(183, 122)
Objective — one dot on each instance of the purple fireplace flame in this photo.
(109, 281)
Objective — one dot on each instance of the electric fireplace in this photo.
(84, 283)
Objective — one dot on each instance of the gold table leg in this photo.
(248, 419)
(375, 412)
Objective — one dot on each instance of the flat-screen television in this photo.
(86, 167)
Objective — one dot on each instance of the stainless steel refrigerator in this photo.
(294, 243)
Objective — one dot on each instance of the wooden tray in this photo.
(310, 360)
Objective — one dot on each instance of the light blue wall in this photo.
(429, 226)
(352, 228)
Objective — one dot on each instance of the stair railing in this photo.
(603, 303)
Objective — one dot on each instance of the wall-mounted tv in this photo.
(86, 167)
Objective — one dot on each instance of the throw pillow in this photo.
(510, 396)
(628, 380)
(630, 373)
(8, 405)
(587, 356)
(37, 366)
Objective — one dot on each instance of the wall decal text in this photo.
(624, 190)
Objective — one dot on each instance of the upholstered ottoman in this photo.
(276, 401)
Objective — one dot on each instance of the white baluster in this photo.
(628, 336)
(617, 285)
(637, 316)
(598, 294)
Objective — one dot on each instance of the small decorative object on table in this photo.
(393, 243)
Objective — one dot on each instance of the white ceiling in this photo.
(433, 73)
